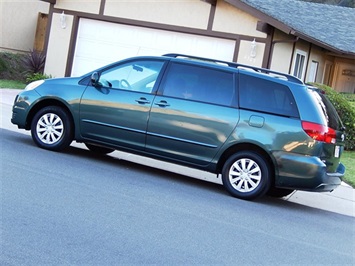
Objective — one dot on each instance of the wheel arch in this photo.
(247, 147)
(44, 103)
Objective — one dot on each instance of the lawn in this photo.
(348, 159)
(11, 84)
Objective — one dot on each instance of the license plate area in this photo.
(337, 151)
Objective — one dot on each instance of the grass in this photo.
(11, 84)
(348, 159)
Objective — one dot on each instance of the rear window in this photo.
(266, 96)
(331, 117)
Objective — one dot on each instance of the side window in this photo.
(266, 96)
(135, 76)
(199, 84)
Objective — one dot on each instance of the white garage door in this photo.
(100, 43)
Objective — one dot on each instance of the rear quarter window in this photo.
(326, 108)
(266, 96)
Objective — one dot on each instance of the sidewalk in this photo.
(341, 200)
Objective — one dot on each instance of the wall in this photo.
(344, 75)
(58, 46)
(281, 52)
(192, 14)
(88, 6)
(229, 19)
(248, 57)
(18, 21)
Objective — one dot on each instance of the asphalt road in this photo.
(75, 208)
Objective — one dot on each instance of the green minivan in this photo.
(263, 131)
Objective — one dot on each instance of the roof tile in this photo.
(331, 25)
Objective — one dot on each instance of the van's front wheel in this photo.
(51, 128)
(246, 175)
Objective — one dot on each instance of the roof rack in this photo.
(236, 65)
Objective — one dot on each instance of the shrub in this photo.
(11, 66)
(34, 62)
(346, 112)
(36, 76)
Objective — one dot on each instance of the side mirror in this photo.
(95, 79)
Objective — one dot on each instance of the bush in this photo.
(346, 112)
(12, 66)
(34, 62)
(23, 67)
(36, 76)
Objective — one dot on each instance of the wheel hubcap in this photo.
(245, 175)
(50, 128)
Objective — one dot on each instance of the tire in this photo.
(51, 128)
(98, 149)
(279, 192)
(246, 175)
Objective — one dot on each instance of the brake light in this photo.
(319, 132)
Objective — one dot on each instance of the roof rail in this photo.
(236, 65)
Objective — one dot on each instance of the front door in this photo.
(116, 109)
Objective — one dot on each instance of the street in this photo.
(77, 208)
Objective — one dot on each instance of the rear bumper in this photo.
(332, 179)
(309, 173)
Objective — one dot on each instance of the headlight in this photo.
(34, 85)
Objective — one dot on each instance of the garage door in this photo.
(99, 43)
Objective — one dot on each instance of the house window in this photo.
(299, 64)
(313, 72)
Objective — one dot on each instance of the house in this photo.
(314, 42)
(18, 20)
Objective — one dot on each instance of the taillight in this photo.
(319, 132)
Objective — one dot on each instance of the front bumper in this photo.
(21, 107)
(300, 172)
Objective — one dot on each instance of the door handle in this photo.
(162, 104)
(142, 101)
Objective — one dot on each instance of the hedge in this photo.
(345, 108)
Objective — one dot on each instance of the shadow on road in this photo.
(114, 160)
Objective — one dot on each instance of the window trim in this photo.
(313, 71)
(297, 68)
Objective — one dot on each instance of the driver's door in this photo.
(115, 109)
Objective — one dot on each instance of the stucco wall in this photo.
(58, 46)
(248, 57)
(281, 52)
(187, 13)
(18, 21)
(317, 56)
(231, 20)
(89, 6)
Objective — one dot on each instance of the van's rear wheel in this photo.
(246, 175)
